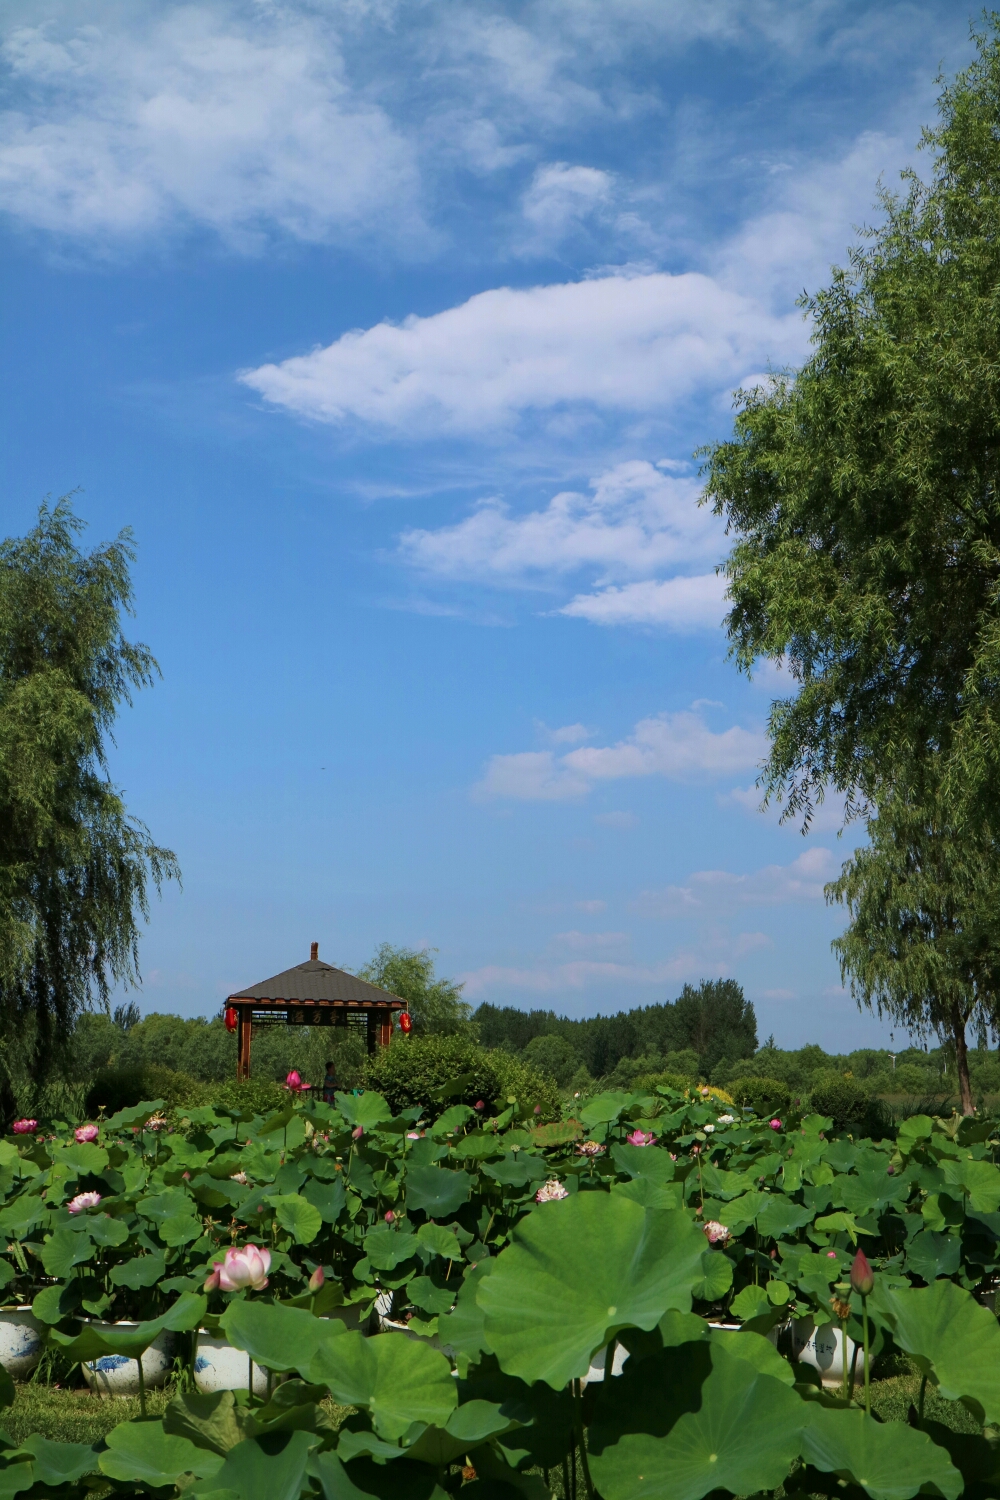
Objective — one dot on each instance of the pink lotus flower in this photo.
(243, 1268)
(641, 1138)
(775, 1124)
(390, 1217)
(538, 1109)
(156, 1122)
(480, 1103)
(293, 1082)
(317, 1279)
(86, 1133)
(590, 1148)
(82, 1202)
(831, 1255)
(358, 1132)
(715, 1233)
(551, 1191)
(413, 1135)
(24, 1127)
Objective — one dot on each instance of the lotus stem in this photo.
(864, 1320)
(843, 1358)
(578, 1410)
(920, 1400)
(566, 1493)
(142, 1385)
(609, 1361)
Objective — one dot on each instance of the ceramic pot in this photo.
(118, 1374)
(21, 1341)
(823, 1348)
(220, 1367)
(599, 1363)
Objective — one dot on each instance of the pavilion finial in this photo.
(314, 950)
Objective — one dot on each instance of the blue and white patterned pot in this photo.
(21, 1341)
(220, 1367)
(823, 1349)
(118, 1375)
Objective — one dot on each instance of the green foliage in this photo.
(120, 1088)
(253, 1096)
(74, 867)
(436, 1006)
(413, 1071)
(844, 1099)
(554, 1056)
(765, 1096)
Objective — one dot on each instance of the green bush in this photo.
(649, 1081)
(850, 1105)
(257, 1096)
(413, 1070)
(765, 1096)
(553, 1056)
(120, 1088)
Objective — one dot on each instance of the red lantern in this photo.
(405, 1022)
(231, 1018)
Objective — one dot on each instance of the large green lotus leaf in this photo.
(467, 1427)
(867, 1192)
(140, 1271)
(643, 1161)
(269, 1468)
(82, 1156)
(160, 1206)
(185, 1314)
(439, 1241)
(214, 1421)
(64, 1250)
(15, 1477)
(21, 1216)
(142, 1451)
(604, 1108)
(282, 1338)
(180, 1229)
(579, 1270)
(950, 1336)
(452, 1120)
(649, 1193)
(976, 1457)
(980, 1179)
(296, 1214)
(741, 1212)
(722, 1184)
(426, 1294)
(780, 1216)
(914, 1132)
(691, 1420)
(932, 1253)
(517, 1170)
(136, 1114)
(328, 1198)
(888, 1459)
(60, 1463)
(751, 1302)
(398, 1379)
(387, 1248)
(104, 1230)
(716, 1279)
(53, 1303)
(463, 1330)
(366, 1110)
(756, 1350)
(437, 1190)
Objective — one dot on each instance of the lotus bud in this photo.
(212, 1280)
(774, 1124)
(86, 1133)
(357, 1132)
(390, 1217)
(317, 1279)
(891, 1170)
(862, 1277)
(480, 1103)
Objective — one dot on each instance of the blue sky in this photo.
(391, 329)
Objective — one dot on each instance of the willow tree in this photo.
(923, 943)
(75, 868)
(863, 493)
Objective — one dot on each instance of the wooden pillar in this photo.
(385, 1028)
(244, 1035)
(372, 1036)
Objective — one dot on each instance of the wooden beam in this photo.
(244, 1035)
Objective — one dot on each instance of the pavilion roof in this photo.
(318, 981)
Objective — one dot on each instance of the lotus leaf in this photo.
(780, 1217)
(399, 1380)
(142, 1451)
(387, 1248)
(406, 1480)
(467, 1427)
(82, 1156)
(950, 1336)
(452, 1121)
(439, 1191)
(65, 1250)
(185, 1314)
(328, 1198)
(643, 1161)
(650, 1193)
(756, 1350)
(212, 1421)
(517, 1170)
(424, 1293)
(692, 1420)
(933, 1253)
(751, 1302)
(889, 1460)
(980, 1180)
(160, 1206)
(104, 1230)
(281, 1338)
(180, 1229)
(59, 1463)
(440, 1241)
(53, 1303)
(298, 1216)
(270, 1468)
(140, 1271)
(717, 1277)
(578, 1270)
(366, 1110)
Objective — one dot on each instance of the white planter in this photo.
(21, 1340)
(823, 1349)
(599, 1363)
(118, 1374)
(220, 1367)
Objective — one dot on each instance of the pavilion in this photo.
(311, 994)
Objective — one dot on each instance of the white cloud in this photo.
(546, 979)
(193, 115)
(561, 197)
(635, 520)
(569, 734)
(679, 603)
(593, 908)
(620, 344)
(710, 891)
(679, 746)
(584, 942)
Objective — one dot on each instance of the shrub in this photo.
(258, 1096)
(412, 1071)
(646, 1082)
(765, 1096)
(849, 1104)
(554, 1056)
(121, 1088)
